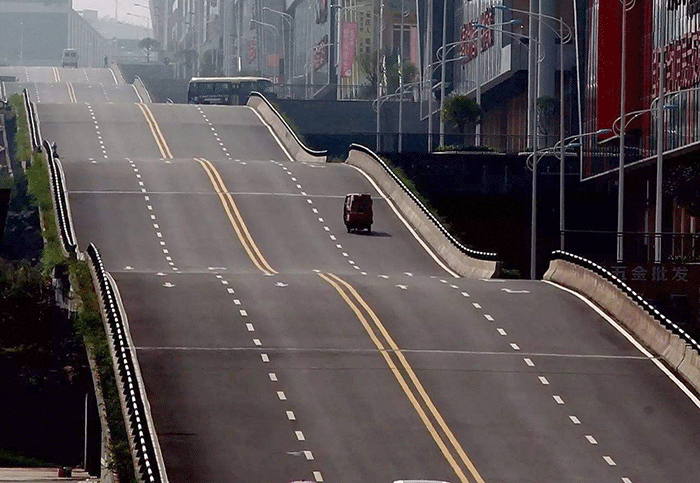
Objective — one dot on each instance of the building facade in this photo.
(35, 32)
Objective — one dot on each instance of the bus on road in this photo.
(227, 90)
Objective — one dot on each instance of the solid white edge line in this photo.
(114, 76)
(137, 94)
(405, 222)
(269, 128)
(139, 379)
(634, 342)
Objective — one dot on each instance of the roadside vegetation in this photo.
(27, 294)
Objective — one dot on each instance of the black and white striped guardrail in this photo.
(32, 122)
(145, 451)
(479, 255)
(296, 138)
(58, 193)
(650, 309)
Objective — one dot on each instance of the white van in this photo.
(70, 58)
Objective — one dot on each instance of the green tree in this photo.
(461, 111)
(148, 44)
(408, 70)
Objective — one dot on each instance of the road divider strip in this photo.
(348, 293)
(235, 218)
(155, 130)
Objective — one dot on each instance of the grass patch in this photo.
(88, 321)
(11, 459)
(406, 180)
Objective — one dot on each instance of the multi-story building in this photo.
(35, 32)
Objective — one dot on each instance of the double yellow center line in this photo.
(235, 218)
(232, 212)
(163, 147)
(71, 92)
(416, 394)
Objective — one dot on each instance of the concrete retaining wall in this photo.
(659, 340)
(290, 141)
(458, 261)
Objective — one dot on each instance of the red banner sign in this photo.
(469, 33)
(348, 47)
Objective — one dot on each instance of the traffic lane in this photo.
(79, 128)
(89, 93)
(40, 74)
(104, 93)
(390, 247)
(99, 75)
(289, 235)
(201, 229)
(122, 93)
(70, 126)
(546, 320)
(206, 379)
(637, 415)
(52, 93)
(195, 233)
(18, 72)
(119, 225)
(71, 74)
(86, 177)
(350, 410)
(297, 230)
(218, 418)
(190, 132)
(357, 419)
(506, 420)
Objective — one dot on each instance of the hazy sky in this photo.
(105, 8)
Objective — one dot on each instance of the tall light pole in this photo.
(401, 60)
(268, 25)
(536, 55)
(626, 5)
(442, 73)
(658, 210)
(21, 43)
(288, 56)
(380, 73)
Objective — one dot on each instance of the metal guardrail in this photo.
(279, 116)
(148, 462)
(58, 193)
(32, 122)
(606, 274)
(488, 256)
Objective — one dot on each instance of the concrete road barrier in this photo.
(689, 368)
(662, 342)
(457, 260)
(285, 134)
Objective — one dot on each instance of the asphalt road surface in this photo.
(276, 347)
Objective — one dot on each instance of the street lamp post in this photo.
(660, 141)
(563, 144)
(264, 45)
(288, 56)
(536, 55)
(626, 5)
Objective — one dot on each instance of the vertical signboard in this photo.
(348, 45)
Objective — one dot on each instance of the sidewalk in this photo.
(41, 475)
